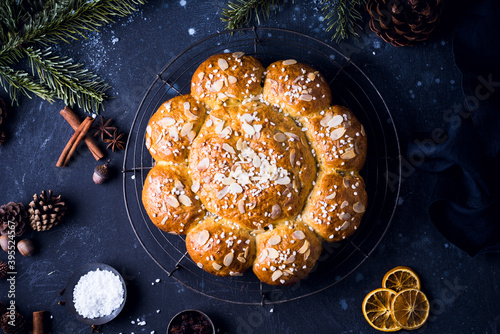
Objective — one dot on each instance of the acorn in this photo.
(101, 173)
(26, 247)
(4, 242)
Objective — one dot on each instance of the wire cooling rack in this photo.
(350, 87)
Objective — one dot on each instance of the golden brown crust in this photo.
(253, 165)
(221, 248)
(336, 205)
(227, 78)
(338, 138)
(168, 199)
(173, 127)
(296, 88)
(286, 254)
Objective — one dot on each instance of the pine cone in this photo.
(4, 268)
(46, 211)
(21, 325)
(13, 212)
(404, 22)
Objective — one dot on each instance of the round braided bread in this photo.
(256, 167)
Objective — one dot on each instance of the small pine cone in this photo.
(4, 268)
(404, 22)
(13, 212)
(46, 211)
(21, 325)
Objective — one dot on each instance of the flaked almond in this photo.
(289, 62)
(293, 154)
(191, 136)
(279, 137)
(239, 144)
(290, 259)
(235, 188)
(217, 86)
(232, 80)
(337, 133)
(195, 186)
(344, 226)
(247, 250)
(189, 114)
(272, 253)
(345, 216)
(148, 130)
(311, 76)
(331, 196)
(173, 133)
(304, 247)
(276, 275)
(219, 127)
(172, 201)
(348, 155)
(228, 148)
(203, 164)
(346, 182)
(187, 105)
(335, 121)
(307, 253)
(256, 161)
(241, 206)
(363, 133)
(168, 121)
(223, 192)
(358, 207)
(186, 129)
(263, 254)
(228, 259)
(200, 265)
(241, 259)
(292, 135)
(344, 204)
(284, 180)
(178, 185)
(248, 129)
(325, 120)
(148, 143)
(298, 235)
(185, 200)
(203, 237)
(306, 97)
(238, 54)
(216, 266)
(274, 240)
(201, 75)
(276, 211)
(222, 97)
(222, 64)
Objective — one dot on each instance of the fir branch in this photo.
(239, 13)
(342, 16)
(17, 82)
(70, 82)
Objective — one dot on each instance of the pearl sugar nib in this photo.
(101, 173)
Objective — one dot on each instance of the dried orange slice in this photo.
(377, 310)
(401, 278)
(410, 309)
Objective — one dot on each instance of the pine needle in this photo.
(342, 16)
(239, 13)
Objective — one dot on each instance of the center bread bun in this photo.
(256, 167)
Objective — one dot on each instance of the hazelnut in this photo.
(4, 242)
(26, 247)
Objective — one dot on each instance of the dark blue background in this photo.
(420, 84)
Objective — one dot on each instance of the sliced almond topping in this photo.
(148, 143)
(344, 204)
(148, 130)
(168, 121)
(186, 129)
(346, 182)
(298, 235)
(201, 75)
(358, 207)
(279, 137)
(311, 76)
(173, 133)
(228, 259)
(217, 86)
(272, 253)
(324, 122)
(223, 192)
(185, 200)
(291, 259)
(289, 62)
(337, 133)
(203, 237)
(178, 185)
(241, 259)
(225, 132)
(263, 253)
(241, 206)
(187, 105)
(238, 54)
(222, 97)
(284, 180)
(345, 216)
(216, 266)
(239, 144)
(247, 250)
(228, 148)
(222, 64)
(331, 196)
(235, 188)
(256, 161)
(274, 240)
(248, 129)
(277, 274)
(304, 247)
(306, 97)
(189, 114)
(307, 253)
(195, 187)
(276, 211)
(293, 154)
(348, 155)
(172, 201)
(335, 121)
(344, 226)
(203, 164)
(191, 136)
(292, 135)
(363, 130)
(232, 80)
(200, 265)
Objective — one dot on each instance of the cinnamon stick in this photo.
(62, 158)
(73, 120)
(88, 123)
(38, 322)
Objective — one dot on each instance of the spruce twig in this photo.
(239, 13)
(342, 16)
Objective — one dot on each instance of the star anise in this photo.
(104, 127)
(117, 141)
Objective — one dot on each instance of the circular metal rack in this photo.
(350, 87)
